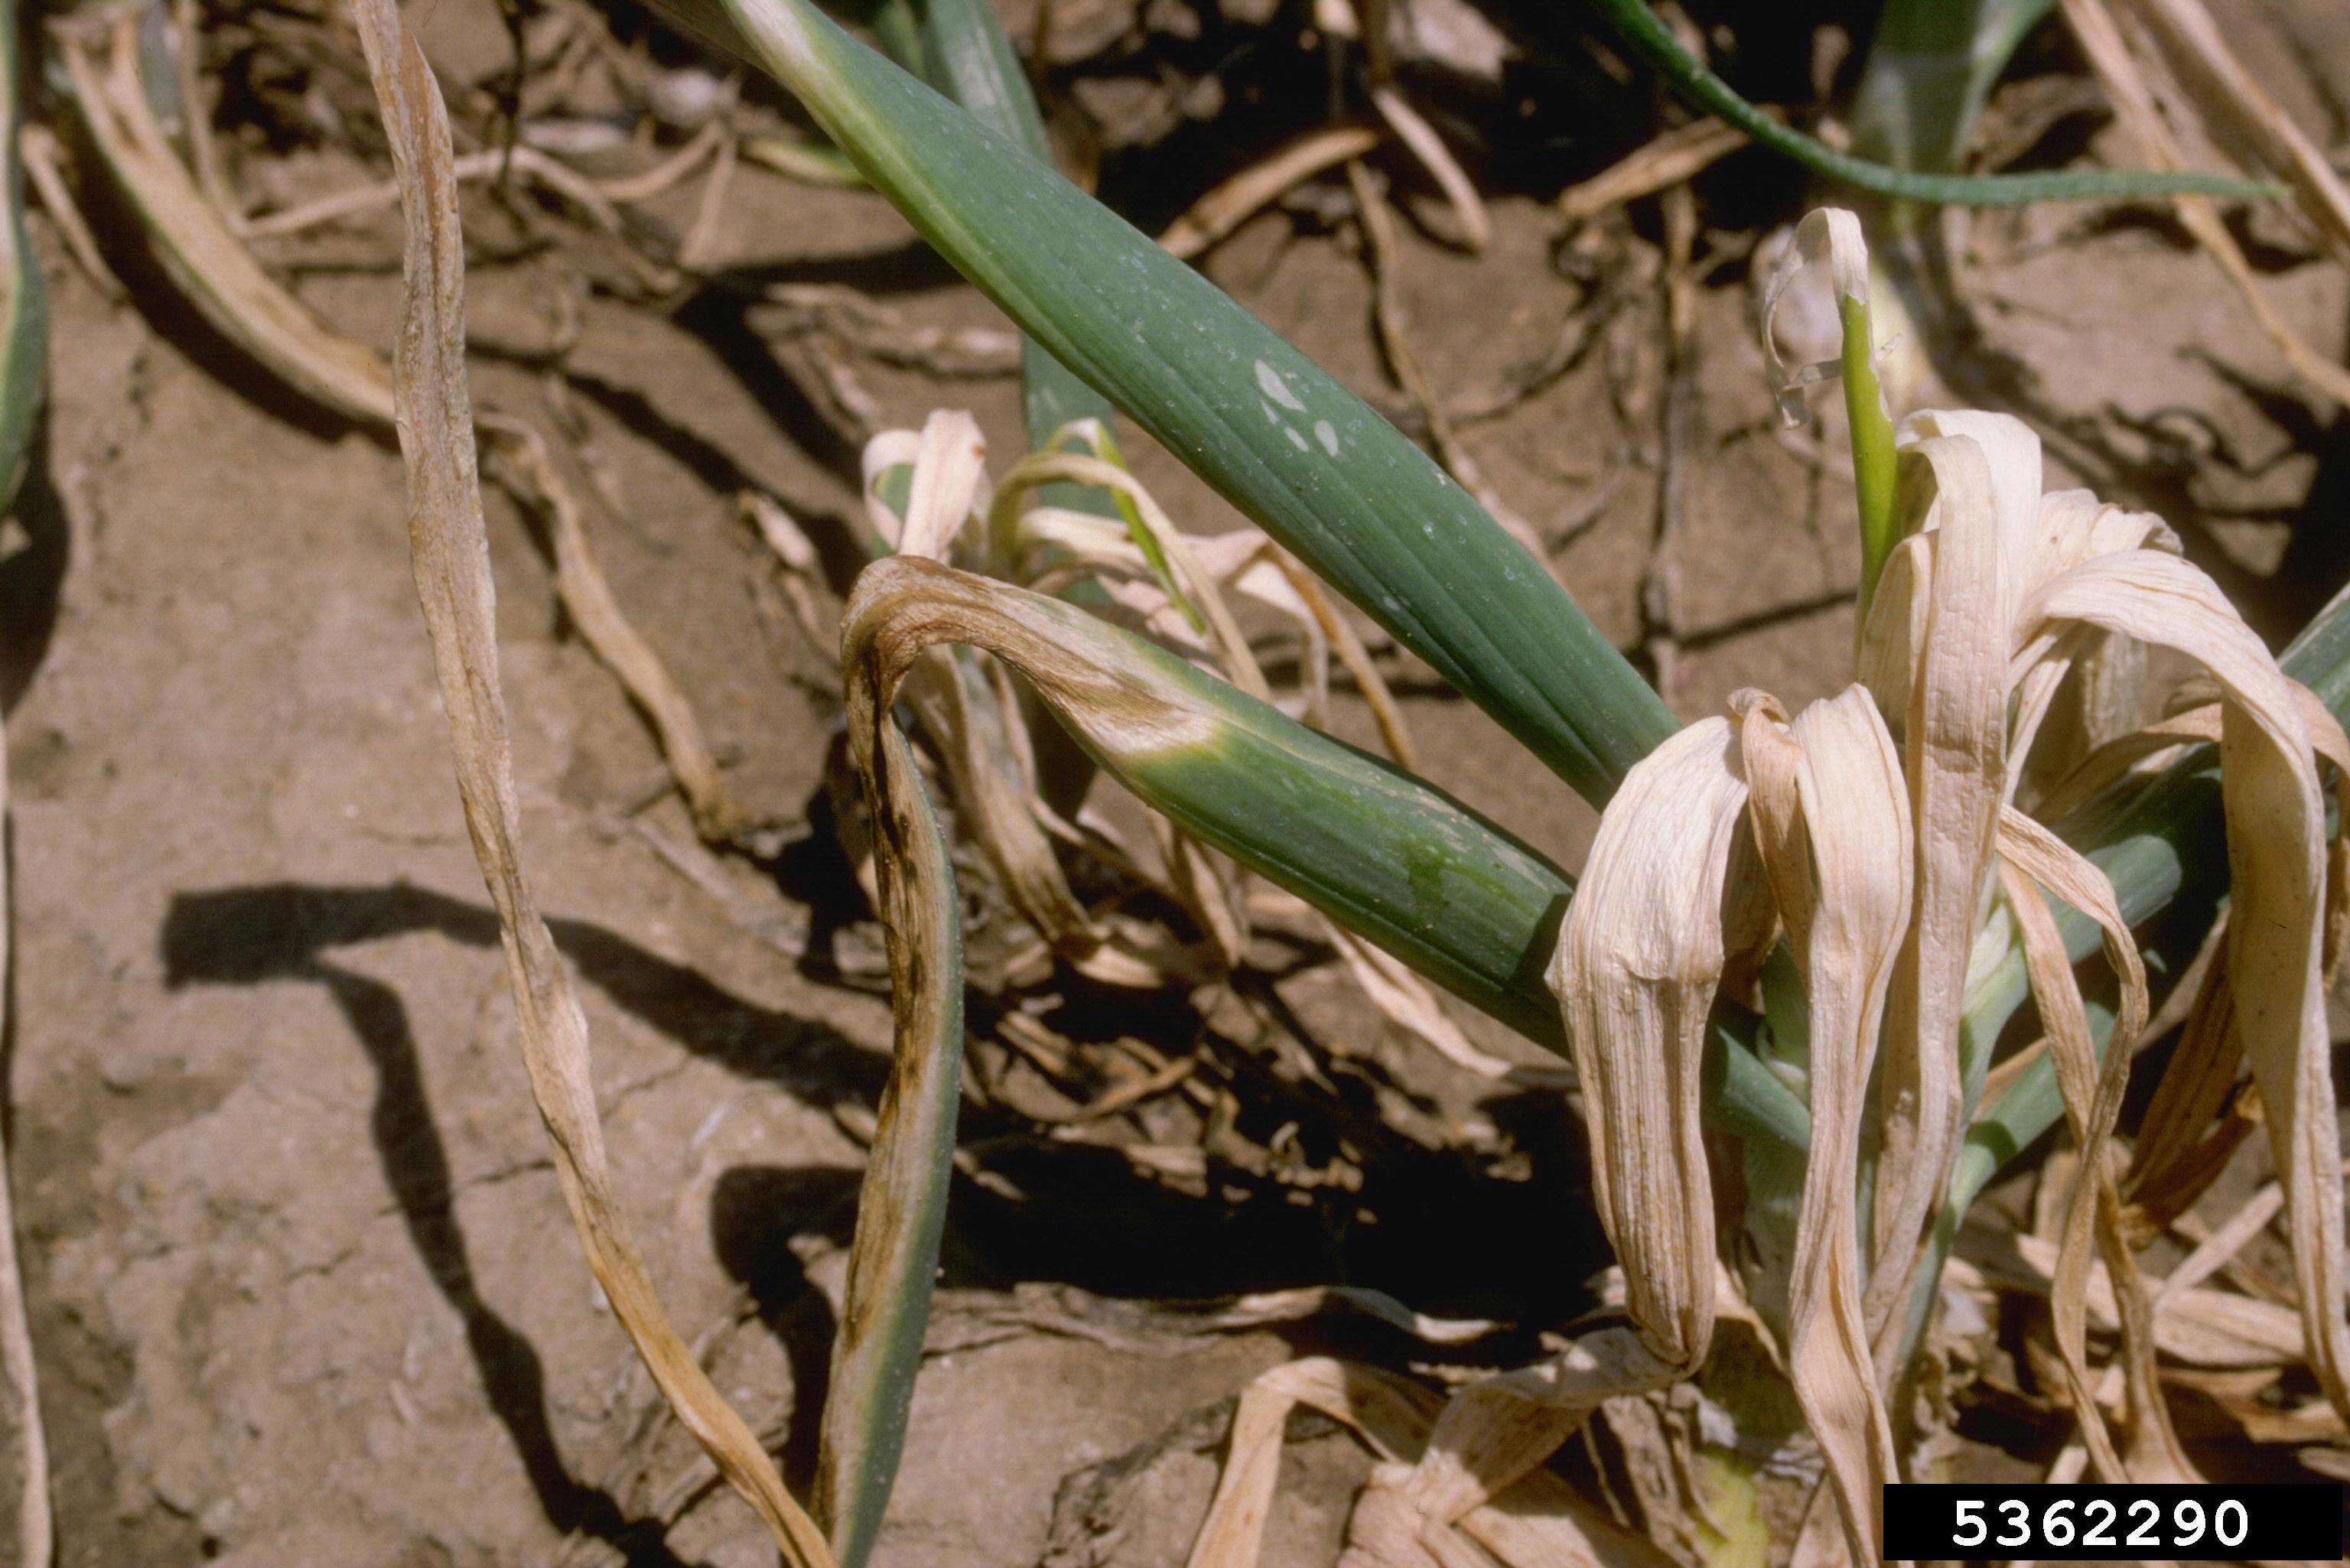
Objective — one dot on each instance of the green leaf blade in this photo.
(966, 55)
(902, 1202)
(1270, 430)
(23, 310)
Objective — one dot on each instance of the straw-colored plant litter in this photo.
(1395, 784)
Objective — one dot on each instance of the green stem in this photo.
(1647, 37)
(967, 55)
(1873, 460)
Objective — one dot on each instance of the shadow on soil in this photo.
(1428, 1226)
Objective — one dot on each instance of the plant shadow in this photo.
(1431, 1226)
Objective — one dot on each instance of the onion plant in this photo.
(1800, 935)
(1856, 856)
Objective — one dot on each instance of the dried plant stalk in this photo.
(2226, 91)
(587, 594)
(36, 1525)
(2093, 23)
(1233, 202)
(453, 577)
(194, 246)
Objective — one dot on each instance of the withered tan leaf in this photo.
(446, 531)
(1639, 961)
(1954, 755)
(2279, 865)
(2032, 859)
(1830, 814)
(950, 464)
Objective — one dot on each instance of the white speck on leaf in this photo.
(1296, 437)
(1275, 388)
(1328, 434)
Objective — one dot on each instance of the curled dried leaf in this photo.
(2279, 864)
(1539, 1522)
(193, 244)
(1831, 816)
(2033, 860)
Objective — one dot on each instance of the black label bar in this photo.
(2112, 1523)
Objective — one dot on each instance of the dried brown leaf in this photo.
(2033, 860)
(1831, 816)
(2279, 864)
(36, 1524)
(450, 542)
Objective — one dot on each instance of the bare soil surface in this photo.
(303, 1286)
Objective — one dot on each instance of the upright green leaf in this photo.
(1930, 65)
(966, 55)
(1320, 472)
